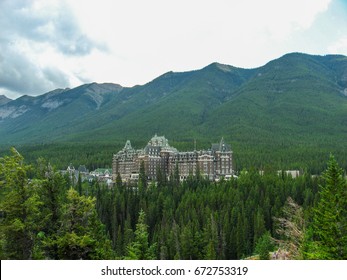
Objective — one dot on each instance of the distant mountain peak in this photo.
(99, 88)
(104, 87)
(55, 92)
(224, 67)
(285, 95)
(4, 100)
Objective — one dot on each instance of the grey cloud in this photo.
(58, 28)
(15, 70)
(55, 76)
(20, 75)
(68, 38)
(79, 46)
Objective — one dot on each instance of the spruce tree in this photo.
(264, 246)
(140, 249)
(142, 178)
(79, 184)
(21, 208)
(329, 225)
(81, 234)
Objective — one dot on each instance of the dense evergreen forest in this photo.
(310, 158)
(44, 216)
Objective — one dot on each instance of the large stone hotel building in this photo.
(213, 163)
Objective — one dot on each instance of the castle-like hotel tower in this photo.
(158, 154)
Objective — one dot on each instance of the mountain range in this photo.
(297, 100)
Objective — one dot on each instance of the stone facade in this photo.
(212, 164)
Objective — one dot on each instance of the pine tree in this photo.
(79, 184)
(142, 178)
(119, 182)
(264, 246)
(140, 249)
(259, 225)
(21, 207)
(211, 239)
(329, 225)
(176, 176)
(241, 230)
(51, 188)
(81, 235)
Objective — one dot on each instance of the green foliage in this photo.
(264, 246)
(21, 208)
(142, 178)
(40, 219)
(199, 219)
(289, 113)
(81, 234)
(43, 217)
(329, 225)
(139, 249)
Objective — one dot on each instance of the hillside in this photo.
(51, 116)
(295, 104)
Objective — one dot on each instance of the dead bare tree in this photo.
(291, 228)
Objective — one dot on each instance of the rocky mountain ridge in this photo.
(296, 96)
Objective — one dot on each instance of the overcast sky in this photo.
(49, 44)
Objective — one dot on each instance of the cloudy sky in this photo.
(48, 44)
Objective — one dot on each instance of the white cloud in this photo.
(147, 38)
(30, 30)
(339, 46)
(66, 43)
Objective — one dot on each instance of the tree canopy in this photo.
(44, 215)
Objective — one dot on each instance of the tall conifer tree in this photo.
(330, 216)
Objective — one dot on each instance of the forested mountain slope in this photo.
(295, 104)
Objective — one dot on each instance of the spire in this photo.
(222, 144)
(128, 145)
